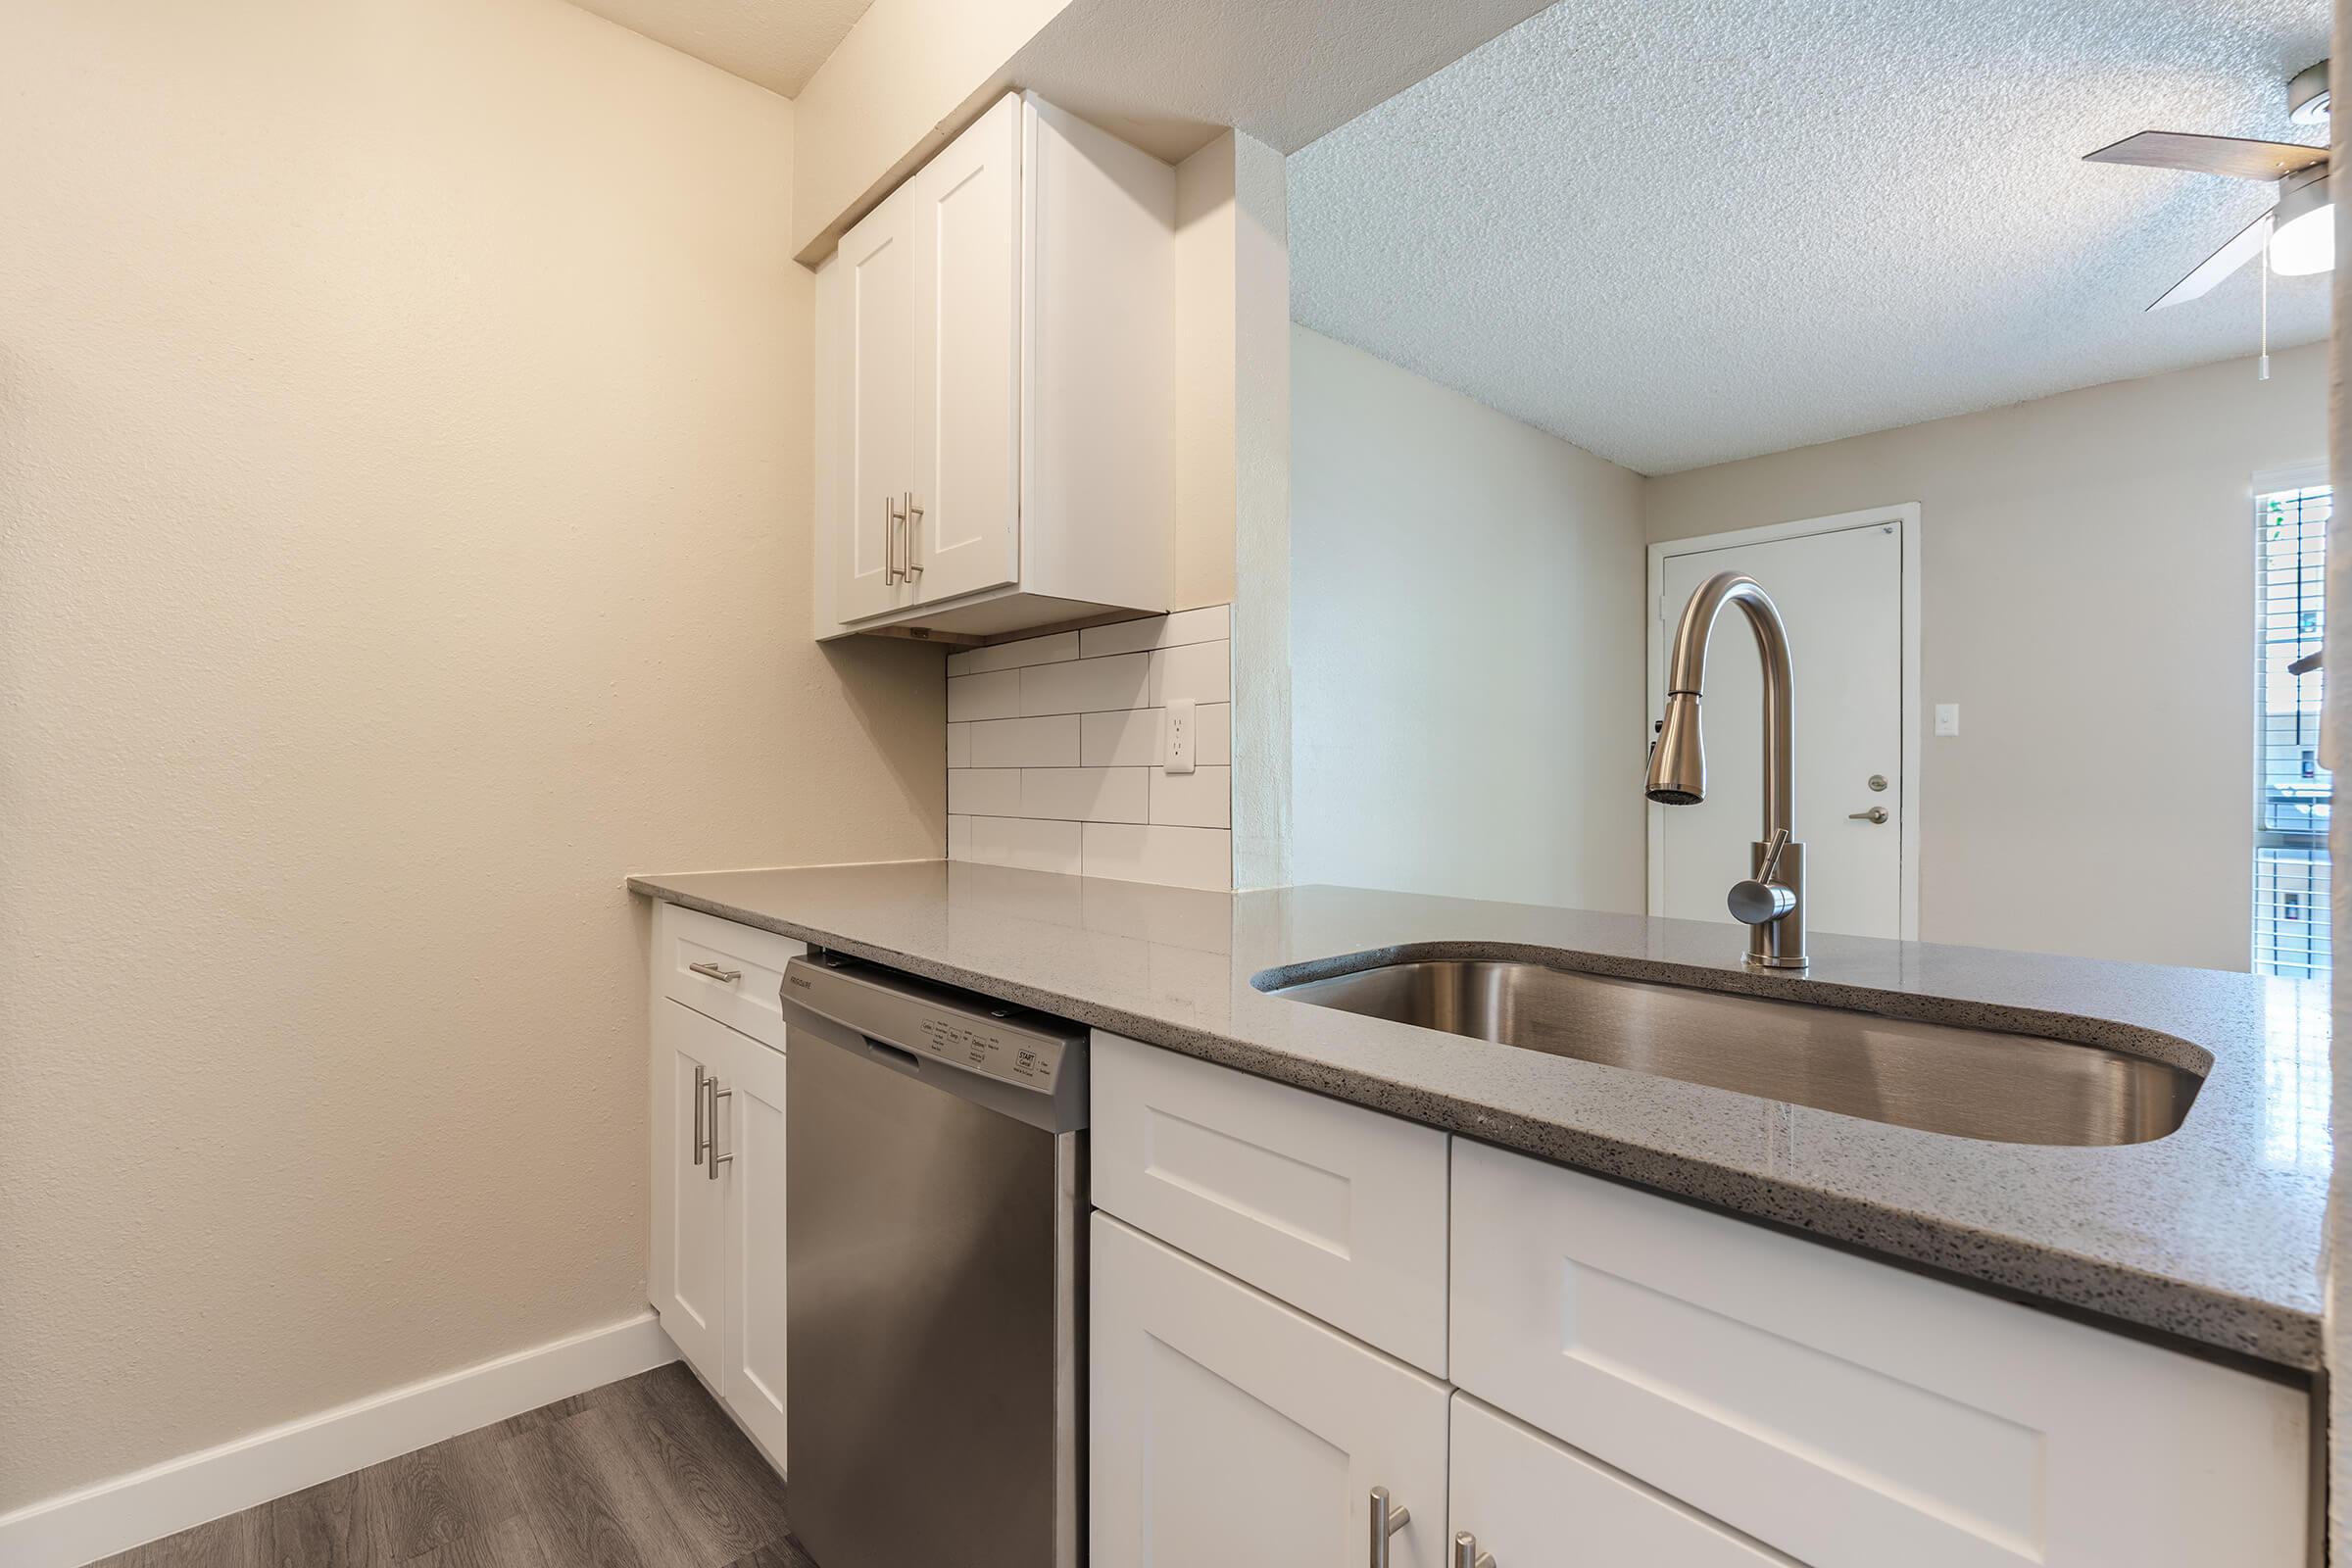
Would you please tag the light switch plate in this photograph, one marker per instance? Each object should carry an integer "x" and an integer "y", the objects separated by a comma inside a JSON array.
[
  {"x": 1948, "y": 718},
  {"x": 1181, "y": 733}
]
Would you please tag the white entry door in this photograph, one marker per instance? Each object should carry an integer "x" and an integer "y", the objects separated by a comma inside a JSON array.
[{"x": 1840, "y": 592}]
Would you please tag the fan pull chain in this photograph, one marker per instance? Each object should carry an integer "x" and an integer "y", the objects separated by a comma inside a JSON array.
[{"x": 2262, "y": 365}]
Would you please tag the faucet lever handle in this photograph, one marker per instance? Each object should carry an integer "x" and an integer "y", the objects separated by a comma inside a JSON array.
[{"x": 1772, "y": 854}]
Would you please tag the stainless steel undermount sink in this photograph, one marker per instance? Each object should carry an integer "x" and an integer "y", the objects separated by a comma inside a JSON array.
[{"x": 1941, "y": 1078}]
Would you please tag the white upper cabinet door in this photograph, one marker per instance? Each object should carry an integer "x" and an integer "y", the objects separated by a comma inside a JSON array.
[
  {"x": 1229, "y": 1429},
  {"x": 753, "y": 1136},
  {"x": 965, "y": 208},
  {"x": 876, "y": 385},
  {"x": 689, "y": 1286},
  {"x": 1538, "y": 1503}
]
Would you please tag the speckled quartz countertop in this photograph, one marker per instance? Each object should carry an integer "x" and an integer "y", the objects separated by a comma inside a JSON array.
[{"x": 2209, "y": 1234}]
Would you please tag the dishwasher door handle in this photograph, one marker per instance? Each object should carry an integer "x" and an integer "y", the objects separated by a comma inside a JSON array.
[{"x": 888, "y": 1056}]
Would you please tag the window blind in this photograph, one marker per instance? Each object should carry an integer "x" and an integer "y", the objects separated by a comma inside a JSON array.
[{"x": 2292, "y": 792}]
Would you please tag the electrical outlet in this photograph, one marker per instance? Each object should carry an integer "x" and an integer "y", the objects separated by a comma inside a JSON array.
[{"x": 1179, "y": 731}]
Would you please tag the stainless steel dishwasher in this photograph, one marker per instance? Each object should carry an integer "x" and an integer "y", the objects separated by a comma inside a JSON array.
[{"x": 935, "y": 1279}]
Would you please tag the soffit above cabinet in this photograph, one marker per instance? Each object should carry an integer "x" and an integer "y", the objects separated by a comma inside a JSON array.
[{"x": 776, "y": 43}]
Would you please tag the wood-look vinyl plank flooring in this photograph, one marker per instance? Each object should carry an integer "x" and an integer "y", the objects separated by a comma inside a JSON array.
[{"x": 644, "y": 1473}]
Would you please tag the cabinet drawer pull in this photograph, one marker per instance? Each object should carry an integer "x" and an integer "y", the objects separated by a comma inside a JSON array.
[
  {"x": 1466, "y": 1553},
  {"x": 716, "y": 1159},
  {"x": 890, "y": 540},
  {"x": 914, "y": 537},
  {"x": 697, "y": 1114},
  {"x": 1386, "y": 1521},
  {"x": 711, "y": 971}
]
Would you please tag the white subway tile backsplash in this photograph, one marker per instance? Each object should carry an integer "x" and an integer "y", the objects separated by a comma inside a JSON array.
[
  {"x": 1086, "y": 685},
  {"x": 1201, "y": 671},
  {"x": 1181, "y": 857},
  {"x": 1213, "y": 730},
  {"x": 1055, "y": 746},
  {"x": 1211, "y": 625},
  {"x": 996, "y": 694},
  {"x": 1139, "y": 738},
  {"x": 1050, "y": 742},
  {"x": 984, "y": 790},
  {"x": 1087, "y": 794},
  {"x": 1012, "y": 656},
  {"x": 1120, "y": 740},
  {"x": 1026, "y": 844},
  {"x": 1203, "y": 797}
]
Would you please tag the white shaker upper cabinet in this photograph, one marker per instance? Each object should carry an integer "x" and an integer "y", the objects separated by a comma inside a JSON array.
[
  {"x": 963, "y": 527},
  {"x": 994, "y": 414},
  {"x": 876, "y": 413}
]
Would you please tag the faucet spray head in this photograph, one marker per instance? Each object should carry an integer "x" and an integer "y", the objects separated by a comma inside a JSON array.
[{"x": 1678, "y": 759}]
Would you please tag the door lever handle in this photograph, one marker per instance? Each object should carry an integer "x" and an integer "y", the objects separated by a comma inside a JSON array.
[{"x": 1876, "y": 813}]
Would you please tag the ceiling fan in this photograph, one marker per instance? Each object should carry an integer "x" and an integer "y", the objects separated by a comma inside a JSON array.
[{"x": 2299, "y": 231}]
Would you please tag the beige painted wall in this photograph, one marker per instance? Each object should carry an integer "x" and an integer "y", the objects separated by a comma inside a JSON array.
[
  {"x": 1202, "y": 539},
  {"x": 2088, "y": 591},
  {"x": 1466, "y": 639},
  {"x": 404, "y": 528}
]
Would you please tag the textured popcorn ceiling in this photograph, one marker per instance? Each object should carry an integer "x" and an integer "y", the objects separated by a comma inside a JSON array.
[
  {"x": 776, "y": 43},
  {"x": 1680, "y": 233}
]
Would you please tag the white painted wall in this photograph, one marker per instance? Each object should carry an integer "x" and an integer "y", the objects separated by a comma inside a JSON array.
[
  {"x": 1466, "y": 645},
  {"x": 1261, "y": 517},
  {"x": 2088, "y": 601},
  {"x": 404, "y": 534},
  {"x": 2336, "y": 733}
]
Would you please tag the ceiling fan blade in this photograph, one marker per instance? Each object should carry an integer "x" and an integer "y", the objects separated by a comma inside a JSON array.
[
  {"x": 2234, "y": 156},
  {"x": 2243, "y": 247}
]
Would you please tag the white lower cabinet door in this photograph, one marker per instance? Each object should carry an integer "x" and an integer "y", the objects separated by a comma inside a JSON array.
[
  {"x": 1852, "y": 1414},
  {"x": 1532, "y": 1501},
  {"x": 689, "y": 1240},
  {"x": 753, "y": 1319},
  {"x": 1228, "y": 1429}
]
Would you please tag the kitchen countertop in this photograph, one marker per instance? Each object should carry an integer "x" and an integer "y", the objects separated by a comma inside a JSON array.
[{"x": 2209, "y": 1234}]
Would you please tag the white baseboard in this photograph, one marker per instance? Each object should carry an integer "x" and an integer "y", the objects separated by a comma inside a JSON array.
[{"x": 130, "y": 1510}]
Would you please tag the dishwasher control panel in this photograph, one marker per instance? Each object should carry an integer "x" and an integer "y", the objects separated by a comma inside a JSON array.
[
  {"x": 923, "y": 1018},
  {"x": 984, "y": 1045}
]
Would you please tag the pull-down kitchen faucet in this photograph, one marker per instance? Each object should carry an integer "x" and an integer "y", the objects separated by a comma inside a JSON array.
[{"x": 1771, "y": 903}]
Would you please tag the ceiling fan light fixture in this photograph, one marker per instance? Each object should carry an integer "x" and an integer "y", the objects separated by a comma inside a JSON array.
[
  {"x": 2303, "y": 228},
  {"x": 2307, "y": 95}
]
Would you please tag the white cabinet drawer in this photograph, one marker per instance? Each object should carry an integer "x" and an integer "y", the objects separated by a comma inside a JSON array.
[
  {"x": 1848, "y": 1412},
  {"x": 1537, "y": 1503},
  {"x": 1229, "y": 1431},
  {"x": 1339, "y": 1210},
  {"x": 750, "y": 1001}
]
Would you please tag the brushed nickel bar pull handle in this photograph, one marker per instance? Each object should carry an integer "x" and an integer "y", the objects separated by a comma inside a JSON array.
[
  {"x": 698, "y": 1115},
  {"x": 914, "y": 537},
  {"x": 716, "y": 1158},
  {"x": 1386, "y": 1521},
  {"x": 711, "y": 971},
  {"x": 1466, "y": 1553},
  {"x": 892, "y": 516}
]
